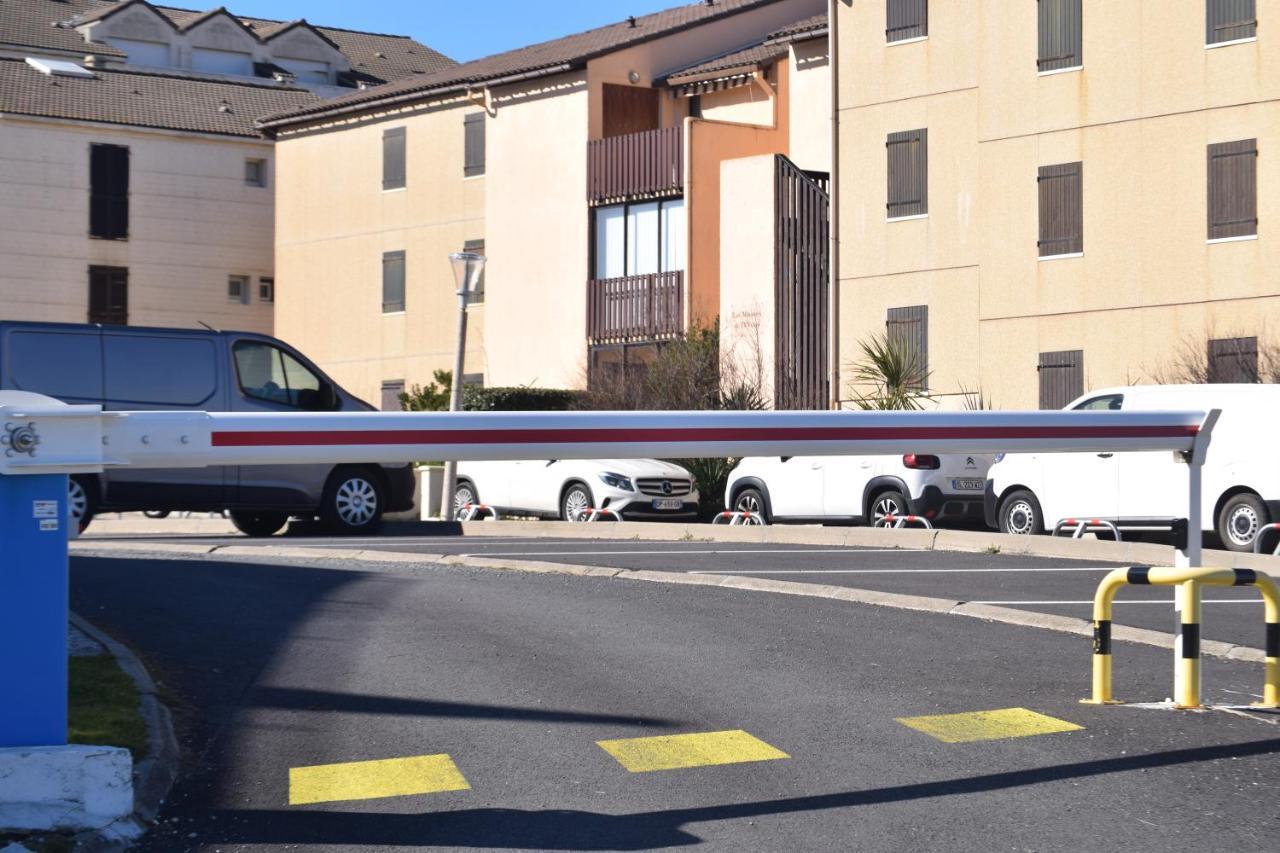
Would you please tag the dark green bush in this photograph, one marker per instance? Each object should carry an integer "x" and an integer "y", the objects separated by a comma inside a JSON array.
[{"x": 478, "y": 399}]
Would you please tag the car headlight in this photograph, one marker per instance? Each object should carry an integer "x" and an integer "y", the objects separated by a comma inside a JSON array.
[
  {"x": 617, "y": 481},
  {"x": 999, "y": 457}
]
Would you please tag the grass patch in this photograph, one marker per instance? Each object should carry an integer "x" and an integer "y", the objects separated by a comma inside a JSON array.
[{"x": 103, "y": 706}]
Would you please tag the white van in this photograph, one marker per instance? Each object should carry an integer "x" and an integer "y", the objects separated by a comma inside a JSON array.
[{"x": 1030, "y": 492}]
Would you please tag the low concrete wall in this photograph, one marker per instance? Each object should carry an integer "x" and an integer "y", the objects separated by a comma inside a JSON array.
[{"x": 64, "y": 787}]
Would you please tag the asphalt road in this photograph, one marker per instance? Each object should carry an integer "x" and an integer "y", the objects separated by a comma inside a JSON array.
[
  {"x": 516, "y": 678},
  {"x": 1044, "y": 585}
]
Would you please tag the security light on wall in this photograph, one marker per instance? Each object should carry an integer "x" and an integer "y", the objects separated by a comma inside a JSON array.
[{"x": 633, "y": 76}]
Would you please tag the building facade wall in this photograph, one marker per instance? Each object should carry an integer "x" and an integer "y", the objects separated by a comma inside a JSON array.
[
  {"x": 334, "y": 224},
  {"x": 1139, "y": 115},
  {"x": 193, "y": 222},
  {"x": 809, "y": 81}
]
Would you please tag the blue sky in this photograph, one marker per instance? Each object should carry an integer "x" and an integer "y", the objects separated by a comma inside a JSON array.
[{"x": 463, "y": 30}]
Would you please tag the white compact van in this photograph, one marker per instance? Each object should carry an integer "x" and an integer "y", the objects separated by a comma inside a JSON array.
[{"x": 1030, "y": 492}]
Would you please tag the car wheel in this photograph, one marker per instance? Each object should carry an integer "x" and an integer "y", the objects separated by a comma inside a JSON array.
[
  {"x": 887, "y": 503},
  {"x": 575, "y": 503},
  {"x": 156, "y": 513},
  {"x": 82, "y": 501},
  {"x": 1020, "y": 515},
  {"x": 258, "y": 524},
  {"x": 1241, "y": 519},
  {"x": 752, "y": 501},
  {"x": 352, "y": 502},
  {"x": 464, "y": 494}
]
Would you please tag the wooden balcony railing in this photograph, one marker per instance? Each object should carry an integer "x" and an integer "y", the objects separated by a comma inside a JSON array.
[
  {"x": 635, "y": 308},
  {"x": 646, "y": 163}
]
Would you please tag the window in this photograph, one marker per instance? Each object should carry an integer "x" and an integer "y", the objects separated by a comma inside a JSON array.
[
  {"x": 908, "y": 153},
  {"x": 906, "y": 19},
  {"x": 1233, "y": 360},
  {"x": 640, "y": 239},
  {"x": 393, "y": 176},
  {"x": 109, "y": 192},
  {"x": 908, "y": 329},
  {"x": 1229, "y": 20},
  {"x": 1105, "y": 403},
  {"x": 1060, "y": 35},
  {"x": 1061, "y": 378},
  {"x": 109, "y": 295},
  {"x": 474, "y": 126},
  {"x": 255, "y": 172},
  {"x": 392, "y": 282},
  {"x": 271, "y": 374},
  {"x": 1233, "y": 189},
  {"x": 391, "y": 391},
  {"x": 477, "y": 247},
  {"x": 1061, "y": 210},
  {"x": 266, "y": 290},
  {"x": 238, "y": 288}
]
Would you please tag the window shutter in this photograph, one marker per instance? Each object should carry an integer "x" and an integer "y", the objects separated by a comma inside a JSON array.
[
  {"x": 1060, "y": 34},
  {"x": 1233, "y": 189},
  {"x": 474, "y": 163},
  {"x": 391, "y": 391},
  {"x": 909, "y": 329},
  {"x": 1229, "y": 20},
  {"x": 1061, "y": 378},
  {"x": 906, "y": 19},
  {"x": 1061, "y": 209},
  {"x": 1233, "y": 360},
  {"x": 908, "y": 156},
  {"x": 392, "y": 282},
  {"x": 109, "y": 295},
  {"x": 109, "y": 191},
  {"x": 393, "y": 177}
]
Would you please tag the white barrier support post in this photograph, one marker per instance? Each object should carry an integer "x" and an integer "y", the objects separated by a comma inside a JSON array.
[{"x": 1191, "y": 553}]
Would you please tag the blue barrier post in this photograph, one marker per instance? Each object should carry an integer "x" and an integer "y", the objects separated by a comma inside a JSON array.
[{"x": 33, "y": 610}]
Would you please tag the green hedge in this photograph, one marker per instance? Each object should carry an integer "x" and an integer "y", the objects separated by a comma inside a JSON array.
[{"x": 478, "y": 399}]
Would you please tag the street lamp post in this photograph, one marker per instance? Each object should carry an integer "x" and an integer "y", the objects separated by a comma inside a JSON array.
[{"x": 467, "y": 268}]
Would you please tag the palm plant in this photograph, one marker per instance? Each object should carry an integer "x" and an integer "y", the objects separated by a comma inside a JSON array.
[{"x": 895, "y": 374}]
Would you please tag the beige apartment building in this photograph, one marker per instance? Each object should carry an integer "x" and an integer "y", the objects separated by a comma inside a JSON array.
[
  {"x": 590, "y": 171},
  {"x": 134, "y": 186},
  {"x": 1050, "y": 197}
]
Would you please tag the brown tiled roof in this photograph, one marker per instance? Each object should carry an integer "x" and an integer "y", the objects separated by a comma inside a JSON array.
[
  {"x": 374, "y": 58},
  {"x": 144, "y": 100},
  {"x": 568, "y": 52},
  {"x": 794, "y": 32},
  {"x": 748, "y": 59}
]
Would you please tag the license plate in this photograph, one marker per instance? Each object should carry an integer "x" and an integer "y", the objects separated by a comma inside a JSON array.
[
  {"x": 668, "y": 503},
  {"x": 968, "y": 485}
]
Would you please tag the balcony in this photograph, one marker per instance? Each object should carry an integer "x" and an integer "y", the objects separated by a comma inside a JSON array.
[
  {"x": 649, "y": 163},
  {"x": 635, "y": 308}
]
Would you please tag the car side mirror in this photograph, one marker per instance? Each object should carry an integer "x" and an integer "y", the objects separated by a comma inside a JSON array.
[{"x": 329, "y": 400}]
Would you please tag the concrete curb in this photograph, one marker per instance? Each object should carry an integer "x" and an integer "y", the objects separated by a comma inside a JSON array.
[
  {"x": 155, "y": 774},
  {"x": 899, "y": 601}
]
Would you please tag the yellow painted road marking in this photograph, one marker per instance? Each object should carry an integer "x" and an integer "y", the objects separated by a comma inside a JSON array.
[
  {"x": 368, "y": 780},
  {"x": 988, "y": 725},
  {"x": 672, "y": 752}
]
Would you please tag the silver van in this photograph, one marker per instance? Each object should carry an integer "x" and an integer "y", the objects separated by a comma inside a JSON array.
[{"x": 126, "y": 368}]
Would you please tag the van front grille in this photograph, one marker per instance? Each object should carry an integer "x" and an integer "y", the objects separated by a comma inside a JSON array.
[{"x": 677, "y": 488}]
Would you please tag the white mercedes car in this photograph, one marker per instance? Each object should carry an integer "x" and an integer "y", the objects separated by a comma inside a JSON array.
[{"x": 565, "y": 489}]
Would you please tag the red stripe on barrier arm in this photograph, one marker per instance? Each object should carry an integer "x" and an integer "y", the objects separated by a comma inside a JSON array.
[{"x": 356, "y": 438}]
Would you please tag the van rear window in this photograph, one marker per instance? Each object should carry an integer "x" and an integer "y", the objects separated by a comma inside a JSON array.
[
  {"x": 64, "y": 365},
  {"x": 155, "y": 370}
]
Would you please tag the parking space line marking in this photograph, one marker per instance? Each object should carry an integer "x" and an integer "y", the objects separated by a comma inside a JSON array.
[
  {"x": 672, "y": 552},
  {"x": 1165, "y": 601},
  {"x": 895, "y": 571},
  {"x": 369, "y": 780},
  {"x": 988, "y": 725},
  {"x": 675, "y": 752}
]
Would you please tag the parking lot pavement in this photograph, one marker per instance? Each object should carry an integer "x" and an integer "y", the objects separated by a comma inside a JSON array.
[
  {"x": 339, "y": 706},
  {"x": 1036, "y": 584}
]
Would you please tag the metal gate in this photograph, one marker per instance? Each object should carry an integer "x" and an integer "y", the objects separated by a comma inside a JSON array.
[{"x": 802, "y": 223}]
